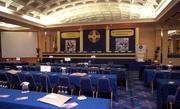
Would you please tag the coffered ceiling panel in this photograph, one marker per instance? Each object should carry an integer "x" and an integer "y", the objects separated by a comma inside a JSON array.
[{"x": 50, "y": 12}]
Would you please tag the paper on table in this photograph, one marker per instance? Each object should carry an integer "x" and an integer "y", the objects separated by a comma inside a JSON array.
[
  {"x": 78, "y": 74},
  {"x": 55, "y": 99},
  {"x": 12, "y": 71},
  {"x": 171, "y": 82},
  {"x": 70, "y": 105},
  {"x": 22, "y": 98},
  {"x": 82, "y": 97},
  {"x": 4, "y": 96}
]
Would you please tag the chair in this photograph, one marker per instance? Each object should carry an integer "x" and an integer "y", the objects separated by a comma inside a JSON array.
[
  {"x": 53, "y": 79},
  {"x": 13, "y": 80},
  {"x": 64, "y": 83},
  {"x": 86, "y": 86},
  {"x": 157, "y": 75},
  {"x": 45, "y": 82},
  {"x": 172, "y": 99},
  {"x": 104, "y": 86},
  {"x": 175, "y": 75},
  {"x": 21, "y": 77},
  {"x": 37, "y": 80},
  {"x": 29, "y": 78}
]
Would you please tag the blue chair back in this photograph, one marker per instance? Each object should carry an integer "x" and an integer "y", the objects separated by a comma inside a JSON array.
[
  {"x": 44, "y": 79},
  {"x": 12, "y": 78},
  {"x": 30, "y": 79},
  {"x": 37, "y": 78},
  {"x": 175, "y": 75},
  {"x": 53, "y": 79},
  {"x": 21, "y": 77},
  {"x": 158, "y": 76},
  {"x": 104, "y": 85},
  {"x": 85, "y": 84},
  {"x": 177, "y": 96},
  {"x": 64, "y": 81}
]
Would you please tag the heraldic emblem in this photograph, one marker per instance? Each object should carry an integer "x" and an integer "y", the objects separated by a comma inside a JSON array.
[{"x": 94, "y": 36}]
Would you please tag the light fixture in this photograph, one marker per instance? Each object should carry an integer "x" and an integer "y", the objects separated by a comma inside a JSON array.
[
  {"x": 8, "y": 25},
  {"x": 5, "y": 10}
]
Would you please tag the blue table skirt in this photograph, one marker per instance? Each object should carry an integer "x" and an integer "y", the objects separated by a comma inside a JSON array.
[
  {"x": 149, "y": 74},
  {"x": 32, "y": 103},
  {"x": 164, "y": 88}
]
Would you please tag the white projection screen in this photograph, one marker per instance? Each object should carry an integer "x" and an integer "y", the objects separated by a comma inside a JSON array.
[{"x": 18, "y": 44}]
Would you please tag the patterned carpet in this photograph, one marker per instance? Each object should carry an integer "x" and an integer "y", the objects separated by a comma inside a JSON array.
[{"x": 137, "y": 96}]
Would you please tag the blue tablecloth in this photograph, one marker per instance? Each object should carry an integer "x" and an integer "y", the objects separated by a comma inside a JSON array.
[
  {"x": 164, "y": 88},
  {"x": 32, "y": 103},
  {"x": 149, "y": 74}
]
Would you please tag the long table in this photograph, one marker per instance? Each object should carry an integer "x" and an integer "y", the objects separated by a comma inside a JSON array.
[
  {"x": 11, "y": 102},
  {"x": 165, "y": 87},
  {"x": 149, "y": 74}
]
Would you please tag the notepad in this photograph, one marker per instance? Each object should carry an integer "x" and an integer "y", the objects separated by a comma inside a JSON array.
[
  {"x": 55, "y": 99},
  {"x": 78, "y": 74}
]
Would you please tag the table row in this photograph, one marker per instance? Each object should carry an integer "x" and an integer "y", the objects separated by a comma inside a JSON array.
[{"x": 15, "y": 99}]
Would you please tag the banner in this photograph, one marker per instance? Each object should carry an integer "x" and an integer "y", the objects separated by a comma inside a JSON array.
[
  {"x": 122, "y": 44},
  {"x": 70, "y": 45},
  {"x": 66, "y": 35},
  {"x": 119, "y": 33},
  {"x": 94, "y": 40},
  {"x": 140, "y": 53}
]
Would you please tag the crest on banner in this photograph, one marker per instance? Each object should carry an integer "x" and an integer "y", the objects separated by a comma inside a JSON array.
[{"x": 94, "y": 36}]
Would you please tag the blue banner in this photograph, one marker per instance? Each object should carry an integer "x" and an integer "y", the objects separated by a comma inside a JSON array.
[{"x": 94, "y": 40}]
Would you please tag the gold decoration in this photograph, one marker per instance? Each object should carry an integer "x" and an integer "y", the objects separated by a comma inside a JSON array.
[{"x": 94, "y": 36}]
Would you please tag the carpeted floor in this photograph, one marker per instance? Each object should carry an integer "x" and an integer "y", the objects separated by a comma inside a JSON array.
[{"x": 137, "y": 96}]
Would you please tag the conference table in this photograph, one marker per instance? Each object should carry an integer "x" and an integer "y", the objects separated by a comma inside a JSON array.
[
  {"x": 165, "y": 87},
  {"x": 15, "y": 99},
  {"x": 53, "y": 79},
  {"x": 149, "y": 74}
]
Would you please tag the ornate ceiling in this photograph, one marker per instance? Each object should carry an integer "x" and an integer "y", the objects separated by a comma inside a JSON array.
[{"x": 50, "y": 12}]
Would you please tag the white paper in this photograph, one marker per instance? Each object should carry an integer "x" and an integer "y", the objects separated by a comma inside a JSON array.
[
  {"x": 70, "y": 105},
  {"x": 22, "y": 98},
  {"x": 25, "y": 83},
  {"x": 82, "y": 97},
  {"x": 171, "y": 82},
  {"x": 4, "y": 96},
  {"x": 55, "y": 99},
  {"x": 45, "y": 68},
  {"x": 12, "y": 71},
  {"x": 78, "y": 74}
]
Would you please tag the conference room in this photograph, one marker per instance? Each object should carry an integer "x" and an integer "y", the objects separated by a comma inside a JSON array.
[{"x": 90, "y": 54}]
